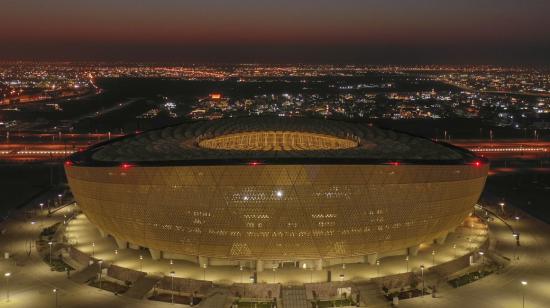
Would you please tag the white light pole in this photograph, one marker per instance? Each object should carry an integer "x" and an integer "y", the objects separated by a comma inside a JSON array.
[
  {"x": 7, "y": 276},
  {"x": 422, "y": 270},
  {"x": 55, "y": 293},
  {"x": 50, "y": 243},
  {"x": 524, "y": 284},
  {"x": 241, "y": 269},
  {"x": 140, "y": 263},
  {"x": 172, "y": 273},
  {"x": 100, "y": 262},
  {"x": 204, "y": 271}
]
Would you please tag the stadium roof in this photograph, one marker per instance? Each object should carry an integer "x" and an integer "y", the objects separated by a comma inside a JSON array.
[{"x": 271, "y": 140}]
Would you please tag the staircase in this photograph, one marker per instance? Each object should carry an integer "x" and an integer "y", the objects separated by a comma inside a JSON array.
[
  {"x": 142, "y": 286},
  {"x": 295, "y": 297},
  {"x": 371, "y": 295}
]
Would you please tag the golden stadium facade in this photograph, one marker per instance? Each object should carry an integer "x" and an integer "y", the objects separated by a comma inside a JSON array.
[{"x": 275, "y": 189}]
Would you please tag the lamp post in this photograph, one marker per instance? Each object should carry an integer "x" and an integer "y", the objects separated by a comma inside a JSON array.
[
  {"x": 140, "y": 263},
  {"x": 274, "y": 273},
  {"x": 55, "y": 293},
  {"x": 501, "y": 207},
  {"x": 454, "y": 249},
  {"x": 407, "y": 261},
  {"x": 99, "y": 262},
  {"x": 433, "y": 257},
  {"x": 378, "y": 267},
  {"x": 241, "y": 269},
  {"x": 93, "y": 249},
  {"x": 172, "y": 273},
  {"x": 204, "y": 271},
  {"x": 524, "y": 284},
  {"x": 481, "y": 253},
  {"x": 50, "y": 244},
  {"x": 422, "y": 271},
  {"x": 116, "y": 254},
  {"x": 7, "y": 276}
]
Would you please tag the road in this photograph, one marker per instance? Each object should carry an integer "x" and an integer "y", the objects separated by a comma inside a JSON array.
[{"x": 47, "y": 146}]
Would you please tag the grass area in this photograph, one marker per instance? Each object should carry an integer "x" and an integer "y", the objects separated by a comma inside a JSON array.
[
  {"x": 110, "y": 286},
  {"x": 50, "y": 231},
  {"x": 334, "y": 303},
  {"x": 57, "y": 264},
  {"x": 178, "y": 299},
  {"x": 406, "y": 294},
  {"x": 255, "y": 304},
  {"x": 469, "y": 278}
]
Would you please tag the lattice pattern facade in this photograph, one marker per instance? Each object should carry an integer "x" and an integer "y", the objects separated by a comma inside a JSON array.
[
  {"x": 277, "y": 141},
  {"x": 277, "y": 212}
]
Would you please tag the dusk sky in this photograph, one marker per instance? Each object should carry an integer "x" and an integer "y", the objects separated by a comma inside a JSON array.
[{"x": 344, "y": 31}]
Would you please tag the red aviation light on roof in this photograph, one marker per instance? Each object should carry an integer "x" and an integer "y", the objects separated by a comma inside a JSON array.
[
  {"x": 477, "y": 163},
  {"x": 254, "y": 163},
  {"x": 68, "y": 163},
  {"x": 126, "y": 166}
]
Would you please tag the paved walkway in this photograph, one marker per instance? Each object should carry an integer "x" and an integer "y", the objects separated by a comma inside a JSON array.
[
  {"x": 31, "y": 281},
  {"x": 505, "y": 289},
  {"x": 86, "y": 238}
]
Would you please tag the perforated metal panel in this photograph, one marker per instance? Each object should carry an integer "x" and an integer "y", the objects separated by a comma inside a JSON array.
[{"x": 277, "y": 212}]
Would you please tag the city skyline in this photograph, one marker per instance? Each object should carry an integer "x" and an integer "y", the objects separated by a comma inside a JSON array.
[{"x": 492, "y": 32}]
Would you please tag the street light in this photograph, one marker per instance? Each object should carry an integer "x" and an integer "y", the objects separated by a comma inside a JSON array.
[
  {"x": 481, "y": 253},
  {"x": 422, "y": 270},
  {"x": 172, "y": 273},
  {"x": 50, "y": 243},
  {"x": 93, "y": 249},
  {"x": 100, "y": 262},
  {"x": 241, "y": 269},
  {"x": 454, "y": 249},
  {"x": 378, "y": 267},
  {"x": 55, "y": 292},
  {"x": 433, "y": 257},
  {"x": 116, "y": 254},
  {"x": 524, "y": 284},
  {"x": 407, "y": 261},
  {"x": 141, "y": 263},
  {"x": 204, "y": 271},
  {"x": 7, "y": 275}
]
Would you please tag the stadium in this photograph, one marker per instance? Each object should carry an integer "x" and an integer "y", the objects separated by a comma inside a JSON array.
[{"x": 257, "y": 190}]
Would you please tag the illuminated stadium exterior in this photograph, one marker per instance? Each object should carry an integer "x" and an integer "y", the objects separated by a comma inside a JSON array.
[{"x": 275, "y": 189}]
